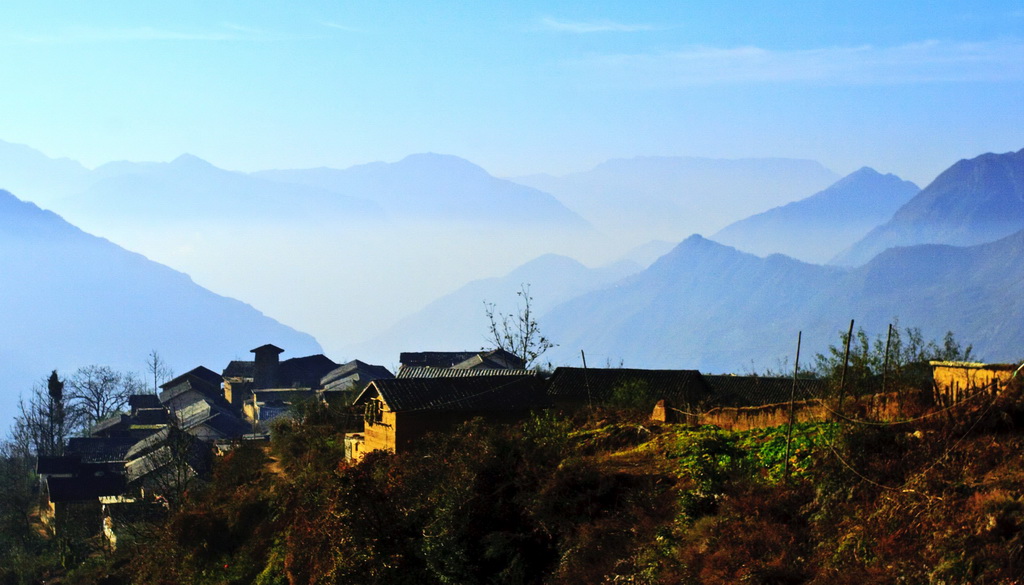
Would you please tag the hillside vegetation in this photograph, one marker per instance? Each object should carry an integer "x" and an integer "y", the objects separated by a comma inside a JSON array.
[{"x": 607, "y": 497}]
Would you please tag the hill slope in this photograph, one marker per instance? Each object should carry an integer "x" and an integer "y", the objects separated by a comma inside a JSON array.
[
  {"x": 819, "y": 227},
  {"x": 972, "y": 202},
  {"x": 457, "y": 321},
  {"x": 672, "y": 197},
  {"x": 711, "y": 307},
  {"x": 71, "y": 299},
  {"x": 437, "y": 187}
]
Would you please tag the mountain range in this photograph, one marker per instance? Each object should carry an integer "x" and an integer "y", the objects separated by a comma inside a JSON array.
[
  {"x": 436, "y": 187},
  {"x": 972, "y": 202},
  {"x": 71, "y": 299},
  {"x": 712, "y": 307},
  {"x": 817, "y": 228},
  {"x": 375, "y": 259},
  {"x": 669, "y": 198},
  {"x": 457, "y": 321}
]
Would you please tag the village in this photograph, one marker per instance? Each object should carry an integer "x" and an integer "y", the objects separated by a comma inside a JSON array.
[{"x": 138, "y": 463}]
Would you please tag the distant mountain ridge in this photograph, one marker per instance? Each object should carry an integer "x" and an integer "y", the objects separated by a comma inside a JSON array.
[
  {"x": 817, "y": 228},
  {"x": 457, "y": 321},
  {"x": 670, "y": 198},
  {"x": 71, "y": 299},
  {"x": 711, "y": 307},
  {"x": 437, "y": 187},
  {"x": 972, "y": 202}
]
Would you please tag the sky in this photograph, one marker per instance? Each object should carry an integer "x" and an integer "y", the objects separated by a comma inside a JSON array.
[{"x": 520, "y": 87}]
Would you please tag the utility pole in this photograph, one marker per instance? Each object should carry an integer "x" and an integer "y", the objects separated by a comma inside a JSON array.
[
  {"x": 792, "y": 406},
  {"x": 846, "y": 362},
  {"x": 586, "y": 380}
]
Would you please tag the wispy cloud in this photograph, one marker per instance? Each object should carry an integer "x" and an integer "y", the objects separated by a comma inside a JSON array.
[
  {"x": 928, "y": 61},
  {"x": 594, "y": 26},
  {"x": 341, "y": 27},
  {"x": 78, "y": 35}
]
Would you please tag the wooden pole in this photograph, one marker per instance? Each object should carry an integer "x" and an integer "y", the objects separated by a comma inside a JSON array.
[
  {"x": 885, "y": 360},
  {"x": 846, "y": 362},
  {"x": 586, "y": 380},
  {"x": 792, "y": 406}
]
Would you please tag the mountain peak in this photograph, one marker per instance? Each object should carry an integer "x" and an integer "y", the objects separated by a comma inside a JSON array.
[
  {"x": 191, "y": 161},
  {"x": 432, "y": 161},
  {"x": 974, "y": 201}
]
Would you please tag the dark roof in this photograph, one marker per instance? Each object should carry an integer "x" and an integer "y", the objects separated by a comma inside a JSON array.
[
  {"x": 481, "y": 393},
  {"x": 150, "y": 416},
  {"x": 240, "y": 369},
  {"x": 433, "y": 359},
  {"x": 58, "y": 465},
  {"x": 362, "y": 372},
  {"x": 159, "y": 454},
  {"x": 191, "y": 384},
  {"x": 761, "y": 390},
  {"x": 495, "y": 359},
  {"x": 228, "y": 425},
  {"x": 109, "y": 424},
  {"x": 100, "y": 448},
  {"x": 421, "y": 372},
  {"x": 215, "y": 417},
  {"x": 137, "y": 401},
  {"x": 676, "y": 386},
  {"x": 267, "y": 348},
  {"x": 84, "y": 488},
  {"x": 205, "y": 374},
  {"x": 304, "y": 372}
]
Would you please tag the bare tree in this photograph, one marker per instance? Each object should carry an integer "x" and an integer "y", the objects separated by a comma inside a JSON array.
[
  {"x": 42, "y": 423},
  {"x": 159, "y": 369},
  {"x": 518, "y": 332},
  {"x": 97, "y": 392}
]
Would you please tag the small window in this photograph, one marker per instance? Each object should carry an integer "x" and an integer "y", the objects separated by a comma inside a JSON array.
[{"x": 373, "y": 412}]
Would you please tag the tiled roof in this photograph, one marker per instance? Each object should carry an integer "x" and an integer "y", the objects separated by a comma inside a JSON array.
[
  {"x": 761, "y": 390},
  {"x": 598, "y": 384},
  {"x": 434, "y": 359},
  {"x": 191, "y": 384},
  {"x": 362, "y": 372},
  {"x": 217, "y": 418},
  {"x": 205, "y": 374},
  {"x": 494, "y": 359},
  {"x": 100, "y": 448},
  {"x": 108, "y": 424},
  {"x": 149, "y": 416},
  {"x": 137, "y": 401},
  {"x": 240, "y": 369},
  {"x": 479, "y": 393},
  {"x": 423, "y": 372},
  {"x": 56, "y": 465},
  {"x": 80, "y": 489},
  {"x": 304, "y": 372}
]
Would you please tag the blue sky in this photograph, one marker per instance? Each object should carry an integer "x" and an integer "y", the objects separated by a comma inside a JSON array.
[{"x": 518, "y": 87}]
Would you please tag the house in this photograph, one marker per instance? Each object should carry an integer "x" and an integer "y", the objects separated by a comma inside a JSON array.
[
  {"x": 167, "y": 463},
  {"x": 400, "y": 411},
  {"x": 955, "y": 381},
  {"x": 762, "y": 390},
  {"x": 200, "y": 383},
  {"x": 428, "y": 372},
  {"x": 100, "y": 449},
  {"x": 294, "y": 379},
  {"x": 682, "y": 389},
  {"x": 145, "y": 416},
  {"x": 492, "y": 359},
  {"x": 210, "y": 422},
  {"x": 72, "y": 489},
  {"x": 354, "y": 374}
]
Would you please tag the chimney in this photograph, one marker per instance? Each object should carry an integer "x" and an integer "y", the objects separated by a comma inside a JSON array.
[{"x": 265, "y": 374}]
